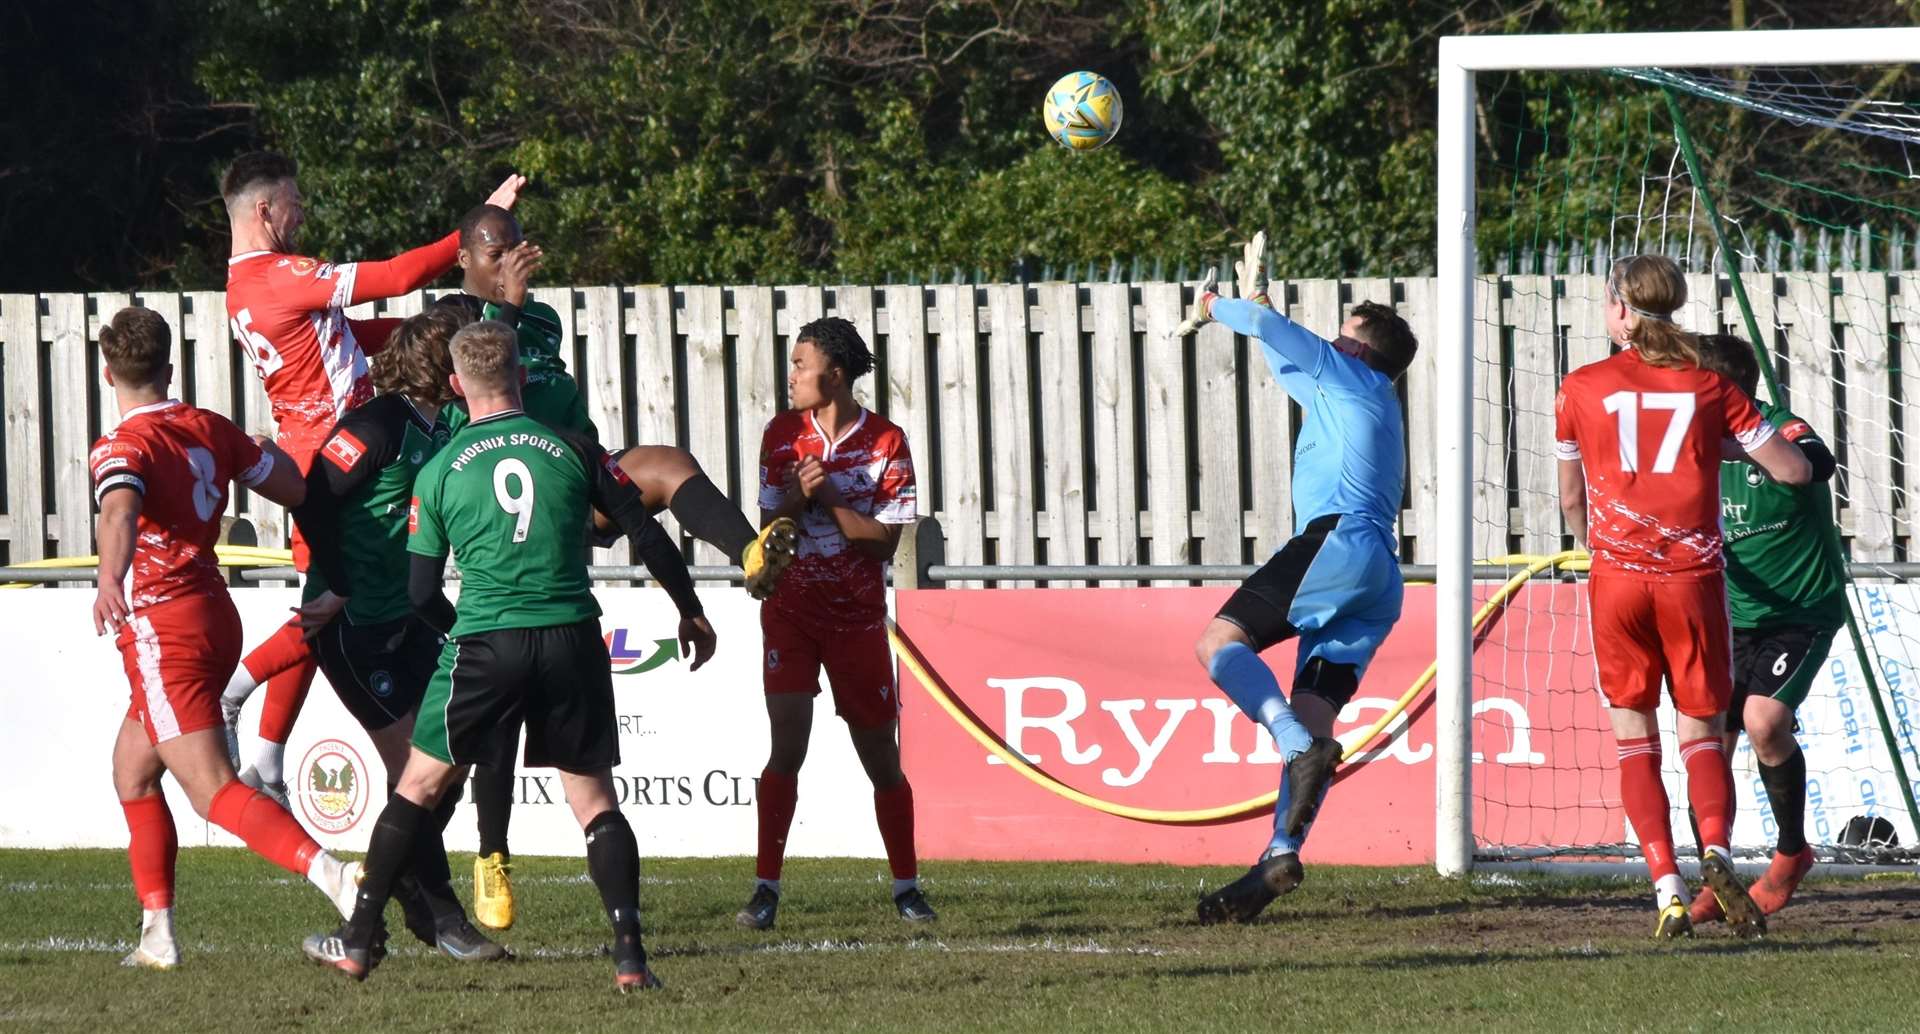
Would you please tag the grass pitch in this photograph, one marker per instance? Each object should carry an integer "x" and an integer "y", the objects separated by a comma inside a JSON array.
[{"x": 1026, "y": 947}]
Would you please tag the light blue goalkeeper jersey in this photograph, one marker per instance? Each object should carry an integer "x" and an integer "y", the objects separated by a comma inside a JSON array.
[{"x": 1352, "y": 456}]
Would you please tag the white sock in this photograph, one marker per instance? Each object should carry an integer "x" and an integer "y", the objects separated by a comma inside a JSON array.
[
  {"x": 1725, "y": 855},
  {"x": 156, "y": 926},
  {"x": 268, "y": 760},
  {"x": 1666, "y": 888},
  {"x": 239, "y": 687},
  {"x": 902, "y": 886},
  {"x": 772, "y": 885}
]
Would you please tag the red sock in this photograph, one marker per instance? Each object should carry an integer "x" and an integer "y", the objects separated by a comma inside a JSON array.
[
  {"x": 777, "y": 796},
  {"x": 286, "y": 692},
  {"x": 1645, "y": 798},
  {"x": 268, "y": 831},
  {"x": 152, "y": 850},
  {"x": 286, "y": 647},
  {"x": 894, "y": 808},
  {"x": 1709, "y": 788}
]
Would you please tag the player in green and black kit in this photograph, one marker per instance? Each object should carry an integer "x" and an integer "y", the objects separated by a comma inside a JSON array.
[
  {"x": 497, "y": 264},
  {"x": 375, "y": 653},
  {"x": 510, "y": 498},
  {"x": 1786, "y": 595}
]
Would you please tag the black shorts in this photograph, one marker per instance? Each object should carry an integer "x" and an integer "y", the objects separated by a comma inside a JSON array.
[
  {"x": 1780, "y": 662},
  {"x": 1263, "y": 605},
  {"x": 378, "y": 671},
  {"x": 556, "y": 681}
]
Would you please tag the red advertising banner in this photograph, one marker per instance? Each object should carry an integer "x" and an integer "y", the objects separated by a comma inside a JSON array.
[{"x": 1100, "y": 688}]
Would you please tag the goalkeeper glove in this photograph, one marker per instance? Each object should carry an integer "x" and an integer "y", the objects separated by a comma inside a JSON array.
[
  {"x": 1250, "y": 272},
  {"x": 1201, "y": 313}
]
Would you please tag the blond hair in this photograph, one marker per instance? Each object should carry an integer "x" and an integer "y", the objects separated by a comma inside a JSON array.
[
  {"x": 1652, "y": 288},
  {"x": 485, "y": 355}
]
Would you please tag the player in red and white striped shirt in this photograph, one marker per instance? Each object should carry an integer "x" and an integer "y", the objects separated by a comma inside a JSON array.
[
  {"x": 161, "y": 482},
  {"x": 845, "y": 474},
  {"x": 1640, "y": 437},
  {"x": 287, "y": 315}
]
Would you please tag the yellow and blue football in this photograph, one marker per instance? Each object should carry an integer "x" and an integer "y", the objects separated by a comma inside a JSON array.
[{"x": 1082, "y": 110}]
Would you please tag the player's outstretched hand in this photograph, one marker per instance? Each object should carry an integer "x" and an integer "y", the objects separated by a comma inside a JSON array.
[
  {"x": 1250, "y": 273},
  {"x": 697, "y": 638},
  {"x": 516, "y": 271},
  {"x": 316, "y": 613},
  {"x": 1200, "y": 314},
  {"x": 507, "y": 192},
  {"x": 109, "y": 608}
]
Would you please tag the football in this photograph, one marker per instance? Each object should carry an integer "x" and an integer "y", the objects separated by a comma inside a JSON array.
[{"x": 1082, "y": 111}]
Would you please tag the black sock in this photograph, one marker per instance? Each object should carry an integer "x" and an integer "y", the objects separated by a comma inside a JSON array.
[
  {"x": 1786, "y": 785},
  {"x": 708, "y": 515},
  {"x": 425, "y": 889},
  {"x": 613, "y": 860},
  {"x": 389, "y": 853},
  {"x": 493, "y": 799}
]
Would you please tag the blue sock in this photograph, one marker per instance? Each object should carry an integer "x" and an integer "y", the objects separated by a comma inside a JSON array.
[
  {"x": 1245, "y": 678},
  {"x": 1281, "y": 842}
]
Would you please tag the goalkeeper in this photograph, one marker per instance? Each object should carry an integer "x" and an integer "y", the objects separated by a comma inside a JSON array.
[
  {"x": 1786, "y": 596},
  {"x": 1336, "y": 584}
]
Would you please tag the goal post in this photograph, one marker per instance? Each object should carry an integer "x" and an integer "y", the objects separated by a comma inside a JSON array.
[{"x": 1463, "y": 334}]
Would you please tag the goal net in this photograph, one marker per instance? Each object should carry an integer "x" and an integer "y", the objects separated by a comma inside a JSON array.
[{"x": 1804, "y": 185}]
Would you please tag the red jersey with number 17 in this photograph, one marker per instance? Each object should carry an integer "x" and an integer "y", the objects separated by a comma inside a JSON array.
[
  {"x": 179, "y": 459},
  {"x": 832, "y": 585},
  {"x": 1648, "y": 439}
]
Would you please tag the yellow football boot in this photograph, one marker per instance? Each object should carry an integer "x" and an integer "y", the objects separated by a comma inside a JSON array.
[
  {"x": 492, "y": 891},
  {"x": 767, "y": 557}
]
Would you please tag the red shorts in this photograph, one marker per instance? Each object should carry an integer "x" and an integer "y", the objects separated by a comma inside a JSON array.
[
  {"x": 859, "y": 666},
  {"x": 179, "y": 656},
  {"x": 1674, "y": 628}
]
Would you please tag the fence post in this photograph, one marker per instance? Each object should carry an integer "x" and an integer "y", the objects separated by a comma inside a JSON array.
[{"x": 921, "y": 547}]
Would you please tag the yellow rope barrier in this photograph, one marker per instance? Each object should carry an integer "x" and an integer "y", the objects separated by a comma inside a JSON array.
[
  {"x": 229, "y": 556},
  {"x": 909, "y": 655}
]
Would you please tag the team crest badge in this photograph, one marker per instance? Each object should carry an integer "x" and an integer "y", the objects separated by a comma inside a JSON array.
[{"x": 333, "y": 786}]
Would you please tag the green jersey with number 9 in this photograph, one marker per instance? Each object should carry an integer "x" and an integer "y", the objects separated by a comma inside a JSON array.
[{"x": 510, "y": 497}]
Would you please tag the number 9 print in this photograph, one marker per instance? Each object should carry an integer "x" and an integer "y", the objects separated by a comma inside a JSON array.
[{"x": 519, "y": 504}]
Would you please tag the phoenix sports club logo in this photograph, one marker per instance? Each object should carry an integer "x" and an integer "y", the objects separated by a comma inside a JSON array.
[
  {"x": 637, "y": 656},
  {"x": 333, "y": 786}
]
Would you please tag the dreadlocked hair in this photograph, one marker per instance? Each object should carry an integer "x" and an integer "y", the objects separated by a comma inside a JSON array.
[{"x": 840, "y": 342}]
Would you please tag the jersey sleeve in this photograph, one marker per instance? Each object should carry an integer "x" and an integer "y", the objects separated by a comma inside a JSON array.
[
  {"x": 614, "y": 494},
  {"x": 1744, "y": 422},
  {"x": 1566, "y": 436},
  {"x": 358, "y": 447},
  {"x": 1291, "y": 349},
  {"x": 118, "y": 460},
  {"x": 426, "y": 535},
  {"x": 894, "y": 493},
  {"x": 407, "y": 271},
  {"x": 772, "y": 490},
  {"x": 249, "y": 462}
]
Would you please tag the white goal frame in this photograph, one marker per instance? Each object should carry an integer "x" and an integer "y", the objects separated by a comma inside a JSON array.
[{"x": 1460, "y": 58}]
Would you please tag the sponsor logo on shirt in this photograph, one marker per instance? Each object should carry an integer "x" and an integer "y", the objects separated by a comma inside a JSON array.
[
  {"x": 300, "y": 266},
  {"x": 344, "y": 450}
]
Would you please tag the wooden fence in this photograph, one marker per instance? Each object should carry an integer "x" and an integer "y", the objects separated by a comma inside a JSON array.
[{"x": 1051, "y": 422}]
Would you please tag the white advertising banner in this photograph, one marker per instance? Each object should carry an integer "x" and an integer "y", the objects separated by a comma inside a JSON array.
[{"x": 692, "y": 744}]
